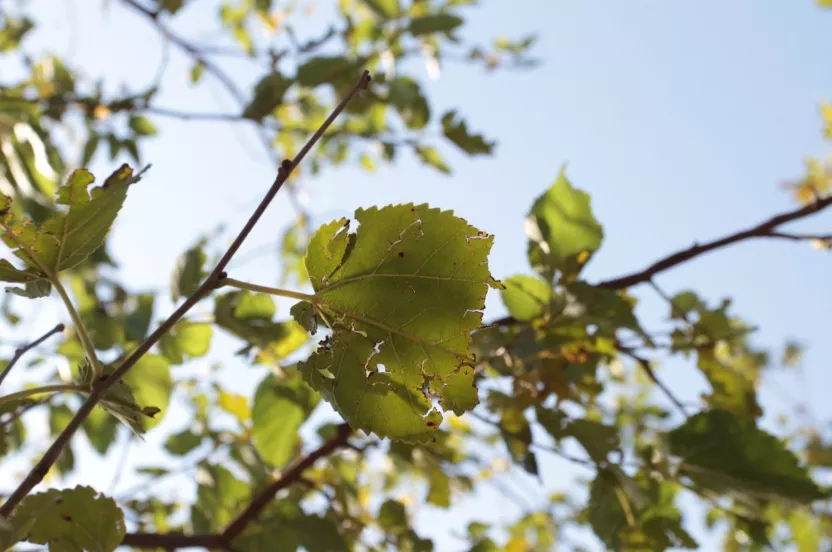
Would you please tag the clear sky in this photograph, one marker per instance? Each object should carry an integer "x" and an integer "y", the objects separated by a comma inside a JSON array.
[{"x": 681, "y": 119}]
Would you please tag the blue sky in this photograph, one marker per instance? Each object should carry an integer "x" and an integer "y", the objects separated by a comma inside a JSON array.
[{"x": 681, "y": 119}]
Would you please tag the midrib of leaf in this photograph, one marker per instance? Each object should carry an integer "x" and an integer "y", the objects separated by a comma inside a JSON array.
[
  {"x": 360, "y": 277},
  {"x": 390, "y": 330}
]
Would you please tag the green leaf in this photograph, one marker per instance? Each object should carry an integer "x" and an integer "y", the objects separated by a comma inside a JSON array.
[
  {"x": 604, "y": 308},
  {"x": 33, "y": 290},
  {"x": 71, "y": 520},
  {"x": 723, "y": 453},
  {"x": 285, "y": 527},
  {"x": 280, "y": 408},
  {"x": 67, "y": 238},
  {"x": 597, "y": 439},
  {"x": 439, "y": 488},
  {"x": 733, "y": 390},
  {"x": 402, "y": 295},
  {"x": 324, "y": 69},
  {"x": 430, "y": 156},
  {"x": 137, "y": 322},
  {"x": 304, "y": 314},
  {"x": 255, "y": 306},
  {"x": 90, "y": 148},
  {"x": 385, "y": 9},
  {"x": 436, "y": 23},
  {"x": 142, "y": 126},
  {"x": 188, "y": 273},
  {"x": 407, "y": 98},
  {"x": 456, "y": 131},
  {"x": 119, "y": 399},
  {"x": 219, "y": 498},
  {"x": 101, "y": 429},
  {"x": 186, "y": 340},
  {"x": 526, "y": 297},
  {"x": 563, "y": 233},
  {"x": 268, "y": 95},
  {"x": 183, "y": 442},
  {"x": 197, "y": 70},
  {"x": 152, "y": 386}
]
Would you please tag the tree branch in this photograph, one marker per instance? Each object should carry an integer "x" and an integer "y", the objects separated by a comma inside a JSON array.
[
  {"x": 294, "y": 474},
  {"x": 40, "y": 470},
  {"x": 20, "y": 351},
  {"x": 763, "y": 230},
  {"x": 645, "y": 365}
]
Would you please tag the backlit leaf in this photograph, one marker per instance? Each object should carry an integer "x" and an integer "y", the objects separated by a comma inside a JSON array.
[
  {"x": 268, "y": 95},
  {"x": 563, "y": 233},
  {"x": 280, "y": 407},
  {"x": 152, "y": 385},
  {"x": 71, "y": 520},
  {"x": 723, "y": 453},
  {"x": 186, "y": 340},
  {"x": 402, "y": 295},
  {"x": 526, "y": 297}
]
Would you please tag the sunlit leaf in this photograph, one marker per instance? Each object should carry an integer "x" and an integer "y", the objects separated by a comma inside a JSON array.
[
  {"x": 526, "y": 297},
  {"x": 280, "y": 407},
  {"x": 186, "y": 340},
  {"x": 402, "y": 294}
]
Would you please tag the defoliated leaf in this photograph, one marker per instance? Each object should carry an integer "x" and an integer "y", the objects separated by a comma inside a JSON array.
[
  {"x": 430, "y": 156},
  {"x": 280, "y": 407},
  {"x": 403, "y": 295},
  {"x": 436, "y": 23},
  {"x": 723, "y": 452},
  {"x": 71, "y": 520},
  {"x": 456, "y": 131},
  {"x": 188, "y": 273},
  {"x": 186, "y": 340},
  {"x": 324, "y": 69},
  {"x": 526, "y": 297},
  {"x": 407, "y": 98},
  {"x": 563, "y": 233},
  {"x": 268, "y": 95},
  {"x": 152, "y": 385}
]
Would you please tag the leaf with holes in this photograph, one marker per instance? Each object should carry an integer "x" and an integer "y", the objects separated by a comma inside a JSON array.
[
  {"x": 70, "y": 520},
  {"x": 402, "y": 296},
  {"x": 67, "y": 238}
]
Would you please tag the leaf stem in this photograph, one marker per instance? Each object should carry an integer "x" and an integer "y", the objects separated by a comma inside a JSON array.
[
  {"x": 231, "y": 282},
  {"x": 45, "y": 389},
  {"x": 86, "y": 343}
]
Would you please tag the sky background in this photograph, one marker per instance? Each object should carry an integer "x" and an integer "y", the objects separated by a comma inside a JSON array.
[{"x": 680, "y": 119}]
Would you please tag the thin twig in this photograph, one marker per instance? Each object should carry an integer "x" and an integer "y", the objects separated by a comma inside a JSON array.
[
  {"x": 223, "y": 540},
  {"x": 20, "y": 351},
  {"x": 40, "y": 470},
  {"x": 645, "y": 365},
  {"x": 763, "y": 230}
]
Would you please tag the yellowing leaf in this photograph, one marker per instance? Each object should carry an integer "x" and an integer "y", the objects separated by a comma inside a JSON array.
[
  {"x": 402, "y": 295},
  {"x": 235, "y": 404}
]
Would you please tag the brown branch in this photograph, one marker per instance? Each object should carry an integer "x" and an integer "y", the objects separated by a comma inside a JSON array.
[
  {"x": 20, "y": 351},
  {"x": 40, "y": 470},
  {"x": 645, "y": 365},
  {"x": 291, "y": 475},
  {"x": 763, "y": 230},
  {"x": 172, "y": 541}
]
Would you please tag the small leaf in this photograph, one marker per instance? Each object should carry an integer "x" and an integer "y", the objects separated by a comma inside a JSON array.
[
  {"x": 268, "y": 95},
  {"x": 526, "y": 297},
  {"x": 402, "y": 295},
  {"x": 407, "y": 98},
  {"x": 280, "y": 407},
  {"x": 71, "y": 520},
  {"x": 90, "y": 148},
  {"x": 188, "y": 273},
  {"x": 142, "y": 125},
  {"x": 101, "y": 429},
  {"x": 152, "y": 386},
  {"x": 33, "y": 290},
  {"x": 219, "y": 496},
  {"x": 722, "y": 452},
  {"x": 197, "y": 70},
  {"x": 321, "y": 70},
  {"x": 563, "y": 233},
  {"x": 385, "y": 9},
  {"x": 183, "y": 442},
  {"x": 436, "y": 23},
  {"x": 430, "y": 156},
  {"x": 186, "y": 340},
  {"x": 457, "y": 132},
  {"x": 304, "y": 314}
]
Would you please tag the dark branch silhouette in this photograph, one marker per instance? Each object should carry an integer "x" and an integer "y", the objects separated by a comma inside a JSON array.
[{"x": 20, "y": 351}]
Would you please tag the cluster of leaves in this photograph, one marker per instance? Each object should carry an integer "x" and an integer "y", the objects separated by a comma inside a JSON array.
[{"x": 445, "y": 405}]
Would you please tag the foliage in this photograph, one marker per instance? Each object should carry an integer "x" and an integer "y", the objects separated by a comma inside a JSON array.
[{"x": 382, "y": 386}]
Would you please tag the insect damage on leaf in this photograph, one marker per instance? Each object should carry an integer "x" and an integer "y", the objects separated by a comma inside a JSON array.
[
  {"x": 402, "y": 296},
  {"x": 68, "y": 237}
]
